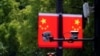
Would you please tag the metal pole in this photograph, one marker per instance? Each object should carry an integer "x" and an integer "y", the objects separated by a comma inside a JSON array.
[
  {"x": 59, "y": 9},
  {"x": 97, "y": 27},
  {"x": 68, "y": 39}
]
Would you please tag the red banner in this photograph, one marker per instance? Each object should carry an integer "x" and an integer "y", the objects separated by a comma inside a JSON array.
[
  {"x": 72, "y": 22},
  {"x": 48, "y": 23}
]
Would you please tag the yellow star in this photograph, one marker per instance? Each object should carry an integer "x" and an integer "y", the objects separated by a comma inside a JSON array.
[
  {"x": 43, "y": 21},
  {"x": 77, "y": 22}
]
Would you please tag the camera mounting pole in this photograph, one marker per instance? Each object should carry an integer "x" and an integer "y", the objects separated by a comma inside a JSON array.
[{"x": 59, "y": 10}]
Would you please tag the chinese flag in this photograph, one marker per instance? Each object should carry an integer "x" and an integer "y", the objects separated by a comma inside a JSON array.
[
  {"x": 72, "y": 23},
  {"x": 47, "y": 22}
]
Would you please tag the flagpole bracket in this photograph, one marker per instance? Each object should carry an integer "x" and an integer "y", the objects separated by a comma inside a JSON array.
[{"x": 71, "y": 40}]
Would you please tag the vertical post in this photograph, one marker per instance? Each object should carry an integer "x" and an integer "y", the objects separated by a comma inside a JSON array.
[
  {"x": 59, "y": 9},
  {"x": 59, "y": 6},
  {"x": 97, "y": 27}
]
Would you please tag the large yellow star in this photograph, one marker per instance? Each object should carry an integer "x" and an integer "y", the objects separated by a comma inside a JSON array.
[
  {"x": 43, "y": 21},
  {"x": 77, "y": 22}
]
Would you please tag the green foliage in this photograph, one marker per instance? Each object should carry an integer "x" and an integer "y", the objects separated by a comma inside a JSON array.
[{"x": 18, "y": 27}]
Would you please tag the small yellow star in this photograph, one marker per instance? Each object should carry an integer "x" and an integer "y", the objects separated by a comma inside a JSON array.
[
  {"x": 43, "y": 21},
  {"x": 77, "y": 22}
]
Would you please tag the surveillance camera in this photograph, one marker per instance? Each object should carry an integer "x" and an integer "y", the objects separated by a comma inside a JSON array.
[
  {"x": 46, "y": 35},
  {"x": 74, "y": 34}
]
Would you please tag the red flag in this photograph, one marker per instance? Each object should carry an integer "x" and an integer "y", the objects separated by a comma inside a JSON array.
[
  {"x": 47, "y": 22},
  {"x": 72, "y": 23}
]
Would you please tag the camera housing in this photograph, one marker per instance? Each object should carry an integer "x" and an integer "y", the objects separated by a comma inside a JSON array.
[
  {"x": 46, "y": 35},
  {"x": 74, "y": 35}
]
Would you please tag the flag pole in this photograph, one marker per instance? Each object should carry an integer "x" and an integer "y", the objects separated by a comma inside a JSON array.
[{"x": 59, "y": 10}]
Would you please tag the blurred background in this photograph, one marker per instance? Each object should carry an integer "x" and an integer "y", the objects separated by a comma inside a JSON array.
[{"x": 18, "y": 26}]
